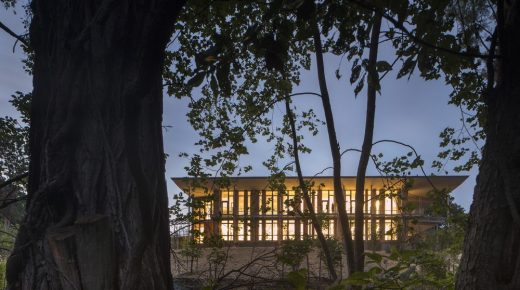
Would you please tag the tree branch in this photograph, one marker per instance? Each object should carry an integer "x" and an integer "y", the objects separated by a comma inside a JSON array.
[
  {"x": 416, "y": 39},
  {"x": 463, "y": 119},
  {"x": 16, "y": 36},
  {"x": 416, "y": 155},
  {"x": 14, "y": 179}
]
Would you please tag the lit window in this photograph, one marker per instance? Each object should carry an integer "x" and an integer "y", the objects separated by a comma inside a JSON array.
[
  {"x": 390, "y": 203},
  {"x": 327, "y": 201},
  {"x": 208, "y": 209},
  {"x": 227, "y": 202},
  {"x": 289, "y": 202},
  {"x": 377, "y": 233},
  {"x": 390, "y": 231},
  {"x": 289, "y": 230},
  {"x": 378, "y": 202},
  {"x": 368, "y": 230},
  {"x": 243, "y": 203},
  {"x": 198, "y": 232},
  {"x": 352, "y": 229},
  {"x": 368, "y": 207},
  {"x": 270, "y": 204},
  {"x": 243, "y": 231},
  {"x": 311, "y": 232},
  {"x": 227, "y": 230},
  {"x": 328, "y": 228},
  {"x": 350, "y": 197},
  {"x": 271, "y": 230},
  {"x": 314, "y": 198}
]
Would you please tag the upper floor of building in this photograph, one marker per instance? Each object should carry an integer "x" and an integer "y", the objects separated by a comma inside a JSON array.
[{"x": 257, "y": 197}]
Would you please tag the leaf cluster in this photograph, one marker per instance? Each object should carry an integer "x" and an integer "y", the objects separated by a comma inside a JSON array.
[
  {"x": 292, "y": 252},
  {"x": 401, "y": 270}
]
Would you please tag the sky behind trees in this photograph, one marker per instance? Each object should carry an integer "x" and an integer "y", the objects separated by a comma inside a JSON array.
[{"x": 410, "y": 111}]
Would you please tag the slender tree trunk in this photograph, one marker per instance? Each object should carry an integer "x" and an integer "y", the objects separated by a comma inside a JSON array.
[
  {"x": 366, "y": 149},
  {"x": 491, "y": 255},
  {"x": 314, "y": 220},
  {"x": 97, "y": 213},
  {"x": 339, "y": 195}
]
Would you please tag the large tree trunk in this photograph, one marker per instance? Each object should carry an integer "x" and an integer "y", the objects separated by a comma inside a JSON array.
[
  {"x": 97, "y": 213},
  {"x": 491, "y": 256}
]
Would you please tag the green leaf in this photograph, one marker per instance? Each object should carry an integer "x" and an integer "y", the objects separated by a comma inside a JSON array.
[
  {"x": 383, "y": 66},
  {"x": 407, "y": 68},
  {"x": 356, "y": 71},
  {"x": 196, "y": 80},
  {"x": 359, "y": 86}
]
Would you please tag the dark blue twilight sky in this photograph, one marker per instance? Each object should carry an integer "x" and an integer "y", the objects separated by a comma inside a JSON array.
[{"x": 411, "y": 111}]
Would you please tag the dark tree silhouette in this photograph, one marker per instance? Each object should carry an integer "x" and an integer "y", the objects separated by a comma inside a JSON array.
[
  {"x": 491, "y": 256},
  {"x": 97, "y": 209}
]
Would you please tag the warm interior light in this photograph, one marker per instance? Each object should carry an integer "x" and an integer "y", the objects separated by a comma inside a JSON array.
[
  {"x": 227, "y": 202},
  {"x": 271, "y": 203}
]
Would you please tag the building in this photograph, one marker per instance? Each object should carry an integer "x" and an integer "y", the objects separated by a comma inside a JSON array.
[{"x": 248, "y": 211}]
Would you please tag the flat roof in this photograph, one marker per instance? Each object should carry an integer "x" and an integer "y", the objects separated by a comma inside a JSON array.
[{"x": 420, "y": 184}]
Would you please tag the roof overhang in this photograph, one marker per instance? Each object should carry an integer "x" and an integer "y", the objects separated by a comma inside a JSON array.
[{"x": 420, "y": 184}]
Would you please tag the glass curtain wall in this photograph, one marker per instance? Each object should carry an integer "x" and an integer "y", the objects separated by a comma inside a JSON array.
[{"x": 276, "y": 216}]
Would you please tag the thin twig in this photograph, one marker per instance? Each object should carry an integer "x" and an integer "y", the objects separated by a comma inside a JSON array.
[
  {"x": 416, "y": 155},
  {"x": 463, "y": 119}
]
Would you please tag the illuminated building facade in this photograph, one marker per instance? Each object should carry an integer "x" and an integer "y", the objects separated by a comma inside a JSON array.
[{"x": 248, "y": 211}]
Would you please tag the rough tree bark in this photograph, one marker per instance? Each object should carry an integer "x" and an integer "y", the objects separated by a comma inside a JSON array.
[
  {"x": 97, "y": 215},
  {"x": 366, "y": 149},
  {"x": 339, "y": 194},
  {"x": 305, "y": 193},
  {"x": 491, "y": 255}
]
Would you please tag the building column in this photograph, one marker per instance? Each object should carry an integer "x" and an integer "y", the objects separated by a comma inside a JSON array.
[
  {"x": 217, "y": 213},
  {"x": 246, "y": 217},
  {"x": 262, "y": 208},
  {"x": 254, "y": 212},
  {"x": 278, "y": 215},
  {"x": 235, "y": 215},
  {"x": 373, "y": 221},
  {"x": 382, "y": 208},
  {"x": 403, "y": 203},
  {"x": 319, "y": 201}
]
